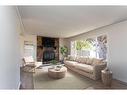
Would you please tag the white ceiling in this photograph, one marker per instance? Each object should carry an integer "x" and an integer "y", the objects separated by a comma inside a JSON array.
[{"x": 68, "y": 21}]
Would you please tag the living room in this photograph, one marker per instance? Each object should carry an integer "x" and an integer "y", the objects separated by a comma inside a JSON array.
[
  {"x": 114, "y": 43},
  {"x": 36, "y": 24}
]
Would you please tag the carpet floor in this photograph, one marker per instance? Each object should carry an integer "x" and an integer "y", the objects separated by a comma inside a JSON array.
[{"x": 72, "y": 80}]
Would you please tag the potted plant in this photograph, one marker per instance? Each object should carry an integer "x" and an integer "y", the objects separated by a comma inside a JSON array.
[
  {"x": 63, "y": 51},
  {"x": 53, "y": 62}
]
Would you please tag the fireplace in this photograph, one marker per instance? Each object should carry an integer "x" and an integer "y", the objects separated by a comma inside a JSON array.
[
  {"x": 48, "y": 56},
  {"x": 47, "y": 49}
]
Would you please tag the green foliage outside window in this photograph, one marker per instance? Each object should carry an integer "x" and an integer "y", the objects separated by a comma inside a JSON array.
[{"x": 84, "y": 45}]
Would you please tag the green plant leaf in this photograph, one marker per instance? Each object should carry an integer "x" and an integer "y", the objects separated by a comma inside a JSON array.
[{"x": 64, "y": 50}]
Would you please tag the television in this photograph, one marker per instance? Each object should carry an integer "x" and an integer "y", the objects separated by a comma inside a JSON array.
[{"x": 48, "y": 42}]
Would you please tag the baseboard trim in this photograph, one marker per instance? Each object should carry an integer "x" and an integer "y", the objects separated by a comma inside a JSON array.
[{"x": 125, "y": 83}]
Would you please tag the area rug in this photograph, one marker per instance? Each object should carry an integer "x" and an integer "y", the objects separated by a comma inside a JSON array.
[{"x": 41, "y": 80}]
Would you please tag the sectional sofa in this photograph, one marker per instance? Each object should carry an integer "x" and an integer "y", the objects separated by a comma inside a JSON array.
[{"x": 89, "y": 67}]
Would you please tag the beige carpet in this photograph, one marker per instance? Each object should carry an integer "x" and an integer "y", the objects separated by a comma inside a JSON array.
[{"x": 71, "y": 81}]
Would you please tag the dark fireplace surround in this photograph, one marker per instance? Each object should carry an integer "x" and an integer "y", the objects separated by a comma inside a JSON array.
[{"x": 47, "y": 49}]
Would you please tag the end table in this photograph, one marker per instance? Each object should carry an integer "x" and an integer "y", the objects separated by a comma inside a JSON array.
[{"x": 106, "y": 77}]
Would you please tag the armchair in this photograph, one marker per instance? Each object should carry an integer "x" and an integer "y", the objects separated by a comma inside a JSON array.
[{"x": 30, "y": 64}]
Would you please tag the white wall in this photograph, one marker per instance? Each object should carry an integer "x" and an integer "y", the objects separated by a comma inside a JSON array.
[
  {"x": 117, "y": 47},
  {"x": 117, "y": 50},
  {"x": 9, "y": 48},
  {"x": 28, "y": 37}
]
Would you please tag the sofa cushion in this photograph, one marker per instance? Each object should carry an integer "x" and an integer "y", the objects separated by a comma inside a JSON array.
[
  {"x": 71, "y": 63},
  {"x": 97, "y": 61},
  {"x": 85, "y": 67}
]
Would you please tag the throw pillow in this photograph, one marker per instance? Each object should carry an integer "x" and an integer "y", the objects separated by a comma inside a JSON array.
[
  {"x": 67, "y": 58},
  {"x": 76, "y": 58},
  {"x": 97, "y": 61},
  {"x": 89, "y": 61},
  {"x": 83, "y": 60},
  {"x": 72, "y": 58}
]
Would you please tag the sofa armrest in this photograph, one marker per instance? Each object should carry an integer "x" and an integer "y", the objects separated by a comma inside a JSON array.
[{"x": 98, "y": 68}]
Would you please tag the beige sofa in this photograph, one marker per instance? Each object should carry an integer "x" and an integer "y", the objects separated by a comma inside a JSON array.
[{"x": 89, "y": 67}]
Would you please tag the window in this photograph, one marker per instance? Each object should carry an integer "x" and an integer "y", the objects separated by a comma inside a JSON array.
[
  {"x": 82, "y": 48},
  {"x": 92, "y": 47},
  {"x": 29, "y": 49}
]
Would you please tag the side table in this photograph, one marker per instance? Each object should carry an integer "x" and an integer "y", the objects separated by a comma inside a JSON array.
[{"x": 106, "y": 76}]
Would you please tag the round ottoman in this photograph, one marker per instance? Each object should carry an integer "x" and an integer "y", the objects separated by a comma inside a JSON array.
[{"x": 52, "y": 72}]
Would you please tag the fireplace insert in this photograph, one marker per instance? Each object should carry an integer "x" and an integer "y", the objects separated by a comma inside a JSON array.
[{"x": 48, "y": 56}]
